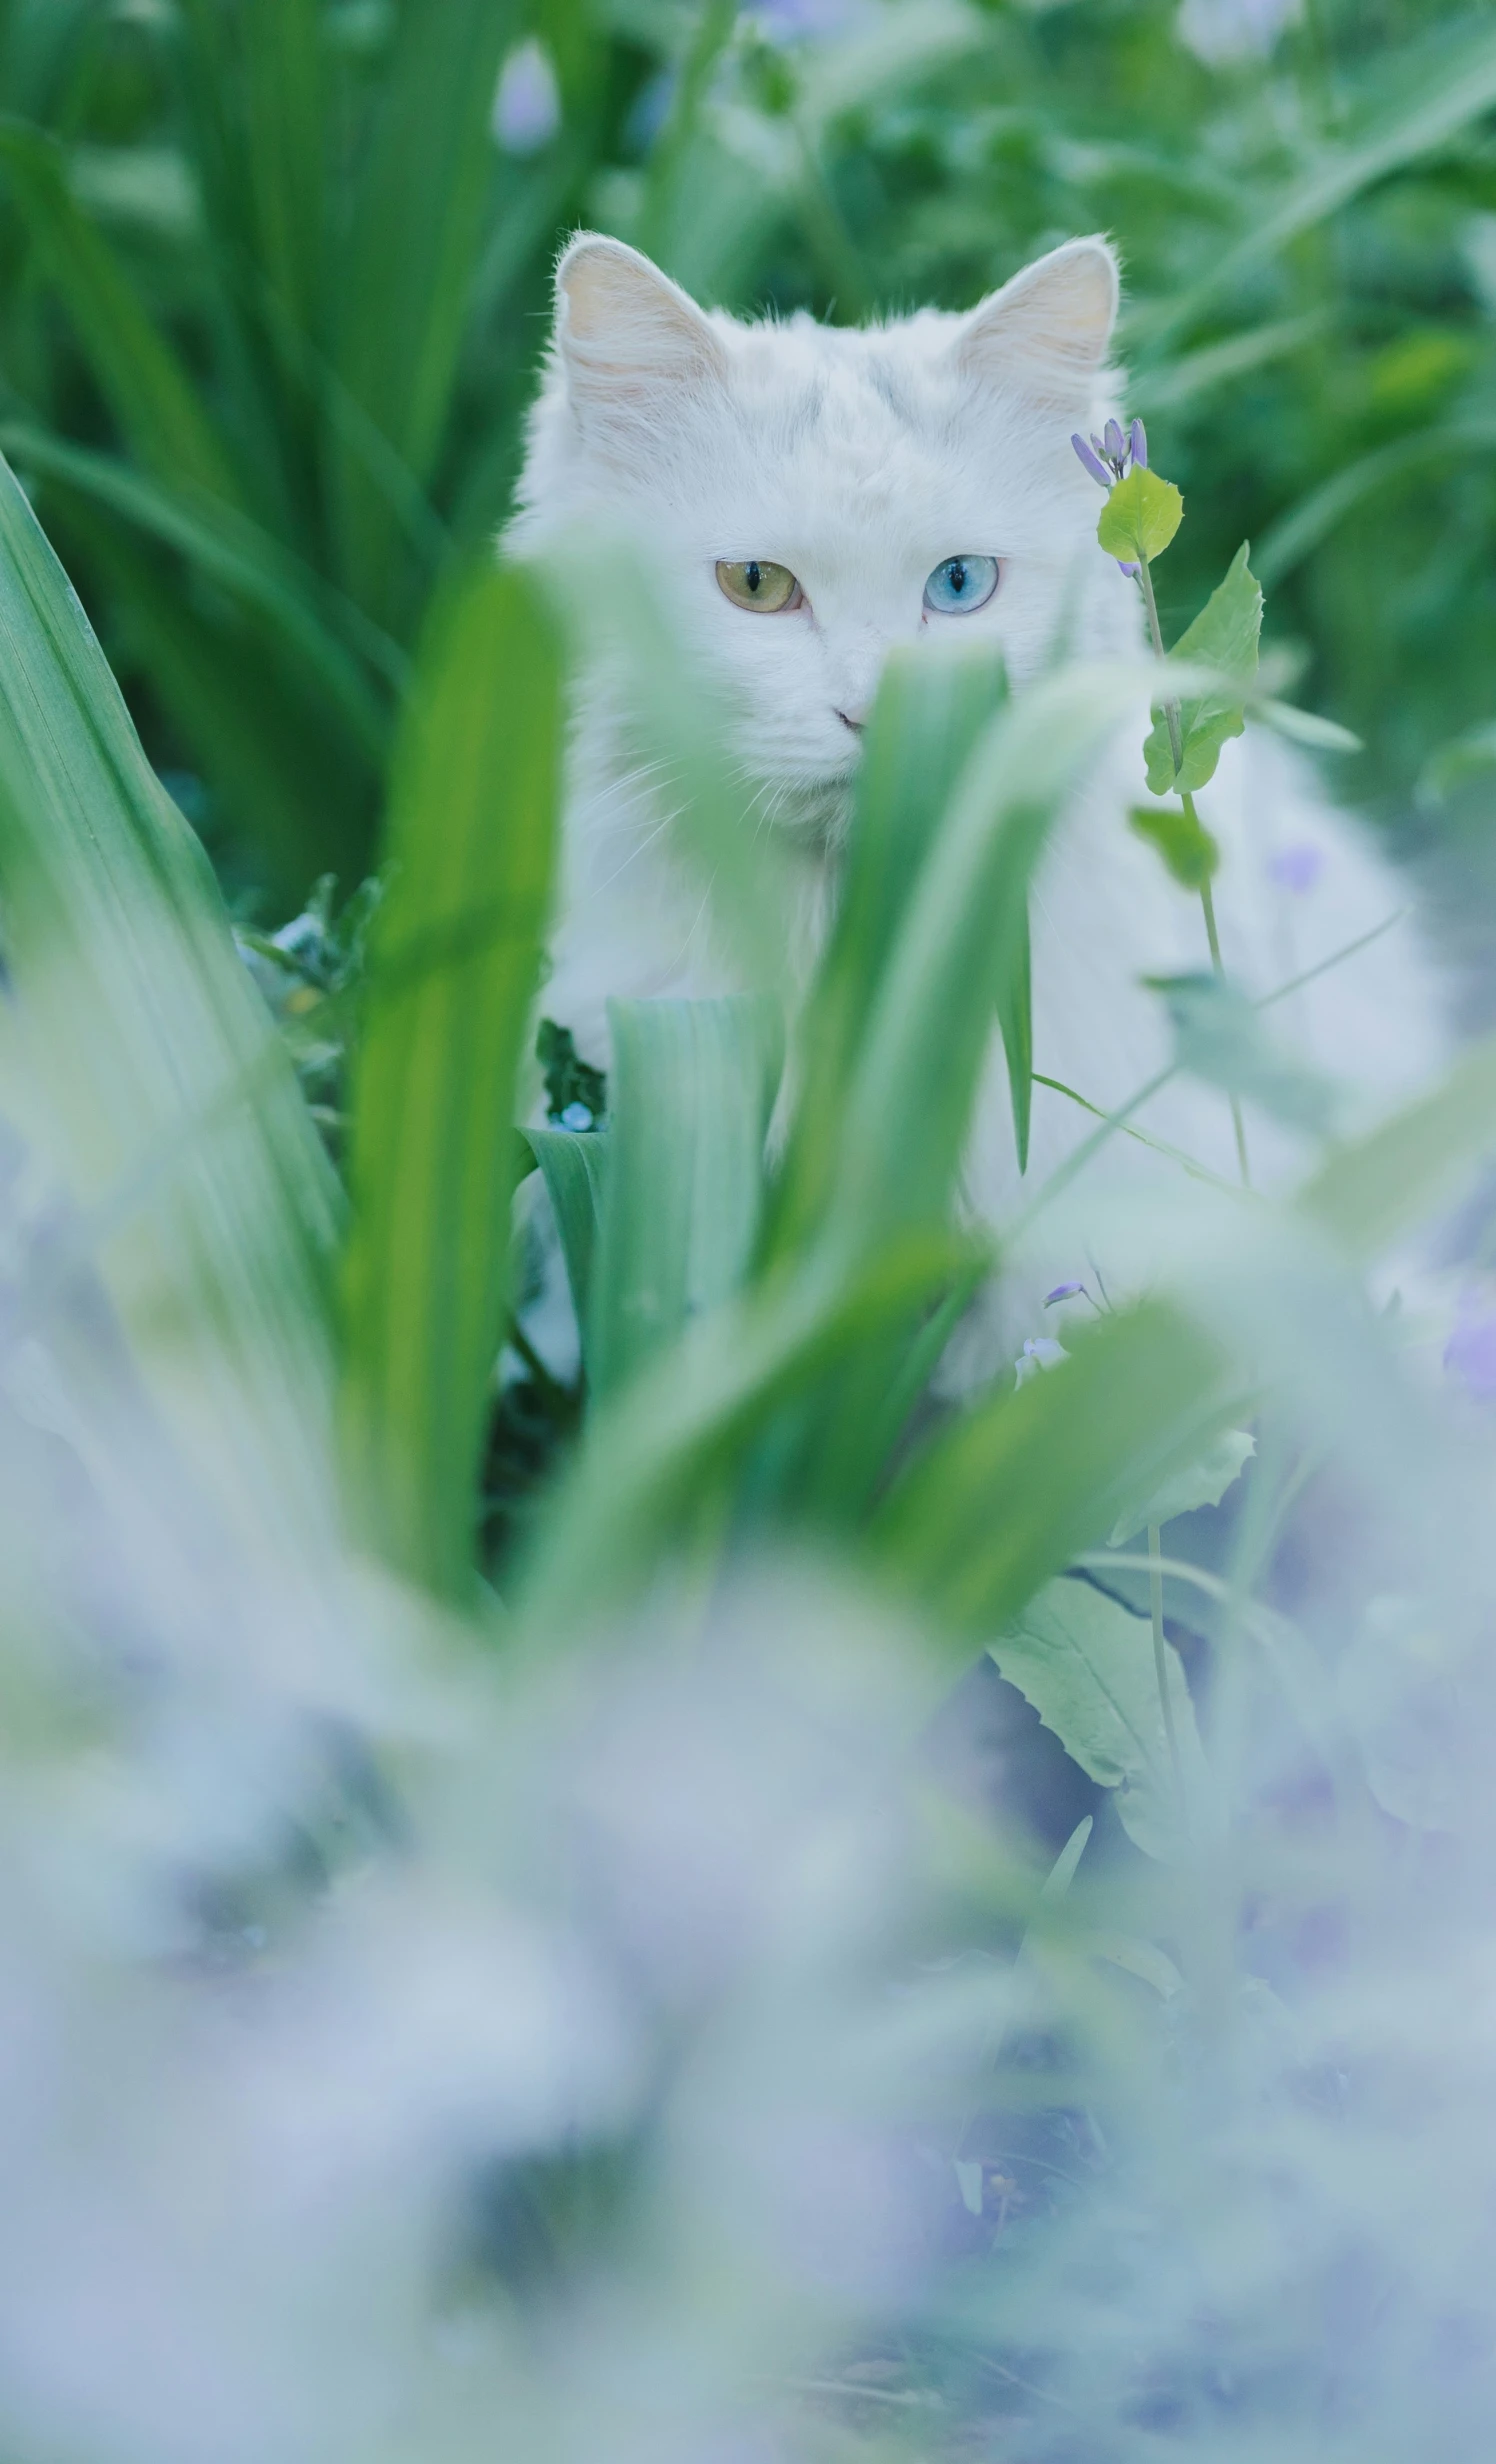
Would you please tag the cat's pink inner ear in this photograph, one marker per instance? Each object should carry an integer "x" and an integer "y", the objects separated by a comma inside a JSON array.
[
  {"x": 1047, "y": 331},
  {"x": 626, "y": 331}
]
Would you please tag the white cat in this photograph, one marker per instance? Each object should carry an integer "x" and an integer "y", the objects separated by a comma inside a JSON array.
[{"x": 819, "y": 495}]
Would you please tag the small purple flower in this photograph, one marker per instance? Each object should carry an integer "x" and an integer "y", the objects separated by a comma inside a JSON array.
[
  {"x": 1131, "y": 571},
  {"x": 1091, "y": 462},
  {"x": 1137, "y": 445},
  {"x": 1037, "y": 1354},
  {"x": 1062, "y": 1291},
  {"x": 576, "y": 1117},
  {"x": 1297, "y": 868},
  {"x": 1470, "y": 1353},
  {"x": 1116, "y": 450}
]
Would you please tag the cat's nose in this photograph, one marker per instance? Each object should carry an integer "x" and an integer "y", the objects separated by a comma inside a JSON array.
[{"x": 855, "y": 719}]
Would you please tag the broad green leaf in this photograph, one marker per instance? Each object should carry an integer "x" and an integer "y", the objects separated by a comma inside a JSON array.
[
  {"x": 573, "y": 1165},
  {"x": 1220, "y": 1036},
  {"x": 143, "y": 1066},
  {"x": 1086, "y": 1664},
  {"x": 1203, "y": 1482},
  {"x": 1408, "y": 1171},
  {"x": 1223, "y": 636},
  {"x": 691, "y": 1089},
  {"x": 412, "y": 251},
  {"x": 150, "y": 393},
  {"x": 453, "y": 963},
  {"x": 1189, "y": 852},
  {"x": 1140, "y": 517},
  {"x": 1006, "y": 1494}
]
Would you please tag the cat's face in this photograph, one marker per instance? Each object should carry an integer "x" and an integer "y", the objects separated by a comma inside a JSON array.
[{"x": 820, "y": 495}]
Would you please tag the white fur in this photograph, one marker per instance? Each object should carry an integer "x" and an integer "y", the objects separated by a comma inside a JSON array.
[{"x": 861, "y": 460}]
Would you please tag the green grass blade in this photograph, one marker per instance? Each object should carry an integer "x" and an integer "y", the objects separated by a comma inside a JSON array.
[
  {"x": 413, "y": 250},
  {"x": 929, "y": 714},
  {"x": 227, "y": 548},
  {"x": 155, "y": 1083},
  {"x": 659, "y": 1452},
  {"x": 690, "y": 1094},
  {"x": 454, "y": 959},
  {"x": 147, "y": 388},
  {"x": 300, "y": 788},
  {"x": 573, "y": 1166},
  {"x": 1006, "y": 1495}
]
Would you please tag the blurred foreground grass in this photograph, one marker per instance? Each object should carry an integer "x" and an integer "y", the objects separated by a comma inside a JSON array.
[{"x": 589, "y": 1999}]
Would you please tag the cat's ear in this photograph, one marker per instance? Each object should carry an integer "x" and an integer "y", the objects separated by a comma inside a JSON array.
[
  {"x": 1047, "y": 331},
  {"x": 627, "y": 337}
]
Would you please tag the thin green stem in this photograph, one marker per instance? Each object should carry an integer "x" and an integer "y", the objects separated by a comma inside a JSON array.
[{"x": 1176, "y": 747}]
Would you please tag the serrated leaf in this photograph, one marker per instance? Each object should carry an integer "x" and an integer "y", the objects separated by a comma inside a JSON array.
[
  {"x": 1219, "y": 1036},
  {"x": 1189, "y": 852},
  {"x": 1203, "y": 1482},
  {"x": 1086, "y": 1665},
  {"x": 1224, "y": 636},
  {"x": 1140, "y": 517}
]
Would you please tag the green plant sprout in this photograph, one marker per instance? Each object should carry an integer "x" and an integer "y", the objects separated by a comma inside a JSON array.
[{"x": 1139, "y": 521}]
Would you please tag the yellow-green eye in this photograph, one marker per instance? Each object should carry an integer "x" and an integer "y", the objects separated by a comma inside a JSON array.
[{"x": 767, "y": 589}]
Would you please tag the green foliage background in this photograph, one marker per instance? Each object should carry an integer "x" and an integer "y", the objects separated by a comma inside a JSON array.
[{"x": 272, "y": 296}]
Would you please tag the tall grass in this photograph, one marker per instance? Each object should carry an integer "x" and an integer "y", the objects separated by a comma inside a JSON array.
[{"x": 600, "y": 1998}]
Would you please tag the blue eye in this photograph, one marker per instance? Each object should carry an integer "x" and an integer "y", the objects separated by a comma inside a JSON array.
[{"x": 961, "y": 584}]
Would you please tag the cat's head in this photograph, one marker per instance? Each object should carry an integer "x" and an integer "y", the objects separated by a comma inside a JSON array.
[{"x": 819, "y": 494}]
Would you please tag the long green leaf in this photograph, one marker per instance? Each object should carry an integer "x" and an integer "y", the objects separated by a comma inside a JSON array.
[
  {"x": 573, "y": 1165},
  {"x": 1402, "y": 1174},
  {"x": 454, "y": 960},
  {"x": 1007, "y": 1494},
  {"x": 144, "y": 382},
  {"x": 690, "y": 1092},
  {"x": 412, "y": 253},
  {"x": 148, "y": 1071}
]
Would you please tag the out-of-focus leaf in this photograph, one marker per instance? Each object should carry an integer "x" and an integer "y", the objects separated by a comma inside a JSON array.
[
  {"x": 454, "y": 957},
  {"x": 234, "y": 552},
  {"x": 1407, "y": 1171},
  {"x": 1306, "y": 727},
  {"x": 299, "y": 787},
  {"x": 145, "y": 384},
  {"x": 1187, "y": 847},
  {"x": 1201, "y": 1483},
  {"x": 1140, "y": 517},
  {"x": 930, "y": 710},
  {"x": 656, "y": 1454},
  {"x": 1223, "y": 636},
  {"x": 908, "y": 1107},
  {"x": 1297, "y": 533},
  {"x": 1006, "y": 1494},
  {"x": 573, "y": 1165},
  {"x": 691, "y": 1090},
  {"x": 1086, "y": 1664},
  {"x": 168, "y": 1107},
  {"x": 413, "y": 248},
  {"x": 1219, "y": 1036}
]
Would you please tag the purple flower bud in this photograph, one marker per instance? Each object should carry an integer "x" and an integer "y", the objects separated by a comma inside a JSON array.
[
  {"x": 1138, "y": 445},
  {"x": 1089, "y": 462},
  {"x": 1112, "y": 439},
  {"x": 1062, "y": 1291},
  {"x": 1131, "y": 571},
  {"x": 1296, "y": 868}
]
